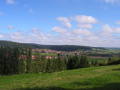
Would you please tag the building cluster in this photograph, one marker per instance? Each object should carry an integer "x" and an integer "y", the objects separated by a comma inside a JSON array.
[{"x": 46, "y": 51}]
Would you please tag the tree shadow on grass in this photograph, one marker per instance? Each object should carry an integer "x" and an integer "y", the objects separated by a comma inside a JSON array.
[
  {"x": 116, "y": 69},
  {"x": 110, "y": 86}
]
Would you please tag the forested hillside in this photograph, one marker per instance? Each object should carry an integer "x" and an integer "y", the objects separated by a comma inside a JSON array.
[
  {"x": 52, "y": 47},
  {"x": 61, "y": 47},
  {"x": 13, "y": 44}
]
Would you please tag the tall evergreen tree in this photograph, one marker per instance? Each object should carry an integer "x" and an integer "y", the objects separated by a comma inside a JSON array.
[
  {"x": 1, "y": 61},
  {"x": 84, "y": 61},
  {"x": 37, "y": 63},
  {"x": 96, "y": 63},
  {"x": 21, "y": 63},
  {"x": 49, "y": 66},
  {"x": 29, "y": 61}
]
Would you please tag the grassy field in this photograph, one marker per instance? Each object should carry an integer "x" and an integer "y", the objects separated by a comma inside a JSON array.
[
  {"x": 49, "y": 54},
  {"x": 93, "y": 78},
  {"x": 99, "y": 59}
]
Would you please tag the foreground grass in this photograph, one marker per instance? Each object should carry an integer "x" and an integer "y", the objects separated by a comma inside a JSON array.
[{"x": 93, "y": 78}]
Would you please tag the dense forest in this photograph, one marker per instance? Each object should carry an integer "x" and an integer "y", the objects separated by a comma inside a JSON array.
[{"x": 60, "y": 47}]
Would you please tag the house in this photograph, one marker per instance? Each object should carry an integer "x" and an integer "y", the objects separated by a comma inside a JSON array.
[
  {"x": 48, "y": 57},
  {"x": 33, "y": 57},
  {"x": 22, "y": 57}
]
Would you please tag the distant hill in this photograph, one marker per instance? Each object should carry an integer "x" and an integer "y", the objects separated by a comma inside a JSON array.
[
  {"x": 13, "y": 44},
  {"x": 60, "y": 47},
  {"x": 52, "y": 47}
]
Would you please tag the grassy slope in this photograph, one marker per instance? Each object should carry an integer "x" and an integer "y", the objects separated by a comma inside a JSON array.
[{"x": 93, "y": 78}]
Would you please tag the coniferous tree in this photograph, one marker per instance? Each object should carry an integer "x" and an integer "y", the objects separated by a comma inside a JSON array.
[
  {"x": 1, "y": 61},
  {"x": 69, "y": 64},
  {"x": 15, "y": 60},
  {"x": 49, "y": 66},
  {"x": 37, "y": 63},
  {"x": 92, "y": 63},
  {"x": 44, "y": 65},
  {"x": 73, "y": 62},
  {"x": 29, "y": 61},
  {"x": 96, "y": 63},
  {"x": 84, "y": 61},
  {"x": 21, "y": 63}
]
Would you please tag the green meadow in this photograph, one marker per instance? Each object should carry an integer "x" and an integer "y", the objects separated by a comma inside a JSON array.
[
  {"x": 92, "y": 78},
  {"x": 47, "y": 54}
]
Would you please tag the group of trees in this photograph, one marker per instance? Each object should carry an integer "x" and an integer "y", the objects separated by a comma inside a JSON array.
[
  {"x": 18, "y": 60},
  {"x": 113, "y": 60},
  {"x": 9, "y": 61},
  {"x": 77, "y": 62}
]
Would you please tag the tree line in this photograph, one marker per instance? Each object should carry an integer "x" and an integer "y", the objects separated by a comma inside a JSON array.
[{"x": 19, "y": 61}]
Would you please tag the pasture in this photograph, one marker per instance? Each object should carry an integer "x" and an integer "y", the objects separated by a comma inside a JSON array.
[{"x": 92, "y": 78}]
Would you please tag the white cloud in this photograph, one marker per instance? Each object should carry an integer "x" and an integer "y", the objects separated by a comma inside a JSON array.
[
  {"x": 35, "y": 30},
  {"x": 10, "y": 2},
  {"x": 118, "y": 22},
  {"x": 110, "y": 30},
  {"x": 116, "y": 30},
  {"x": 10, "y": 27},
  {"x": 30, "y": 10},
  {"x": 107, "y": 36},
  {"x": 65, "y": 21},
  {"x": 85, "y": 21},
  {"x": 1, "y": 13},
  {"x": 86, "y": 26},
  {"x": 59, "y": 30},
  {"x": 1, "y": 36},
  {"x": 83, "y": 32}
]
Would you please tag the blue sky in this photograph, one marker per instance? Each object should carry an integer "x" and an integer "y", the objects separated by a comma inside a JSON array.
[{"x": 61, "y": 22}]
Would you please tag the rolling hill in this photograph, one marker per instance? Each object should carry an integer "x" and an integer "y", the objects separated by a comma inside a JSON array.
[{"x": 52, "y": 47}]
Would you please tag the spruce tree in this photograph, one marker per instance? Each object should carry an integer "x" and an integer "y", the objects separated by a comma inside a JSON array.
[
  {"x": 37, "y": 63},
  {"x": 49, "y": 66},
  {"x": 92, "y": 63},
  {"x": 21, "y": 63},
  {"x": 84, "y": 61},
  {"x": 29, "y": 61},
  {"x": 96, "y": 63}
]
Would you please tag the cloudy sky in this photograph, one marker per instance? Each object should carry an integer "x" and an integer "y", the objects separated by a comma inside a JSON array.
[{"x": 61, "y": 22}]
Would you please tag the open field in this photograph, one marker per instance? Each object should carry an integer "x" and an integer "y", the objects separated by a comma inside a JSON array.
[
  {"x": 99, "y": 59},
  {"x": 49, "y": 54},
  {"x": 93, "y": 78}
]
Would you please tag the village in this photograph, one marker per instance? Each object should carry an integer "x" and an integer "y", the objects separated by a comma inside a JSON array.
[{"x": 47, "y": 53}]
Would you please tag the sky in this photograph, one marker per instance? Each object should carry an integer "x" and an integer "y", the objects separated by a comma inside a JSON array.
[{"x": 61, "y": 22}]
